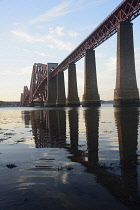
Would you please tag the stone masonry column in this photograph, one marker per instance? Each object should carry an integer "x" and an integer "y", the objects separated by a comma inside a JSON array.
[
  {"x": 126, "y": 92},
  {"x": 51, "y": 86},
  {"x": 61, "y": 98},
  {"x": 91, "y": 96},
  {"x": 72, "y": 99}
]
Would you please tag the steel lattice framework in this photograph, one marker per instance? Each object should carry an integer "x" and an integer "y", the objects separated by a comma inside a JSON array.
[
  {"x": 37, "y": 85},
  {"x": 126, "y": 11},
  {"x": 24, "y": 96}
]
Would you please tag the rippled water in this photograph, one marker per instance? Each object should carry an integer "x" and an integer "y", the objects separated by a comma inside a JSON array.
[{"x": 69, "y": 158}]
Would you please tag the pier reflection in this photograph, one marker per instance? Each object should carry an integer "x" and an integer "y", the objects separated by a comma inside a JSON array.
[
  {"x": 89, "y": 155},
  {"x": 73, "y": 126},
  {"x": 92, "y": 128},
  {"x": 127, "y": 126},
  {"x": 25, "y": 115},
  {"x": 49, "y": 128}
]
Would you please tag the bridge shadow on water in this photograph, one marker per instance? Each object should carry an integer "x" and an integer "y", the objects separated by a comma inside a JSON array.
[{"x": 121, "y": 178}]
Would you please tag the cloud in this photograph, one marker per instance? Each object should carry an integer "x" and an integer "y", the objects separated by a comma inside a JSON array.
[
  {"x": 57, "y": 31},
  {"x": 73, "y": 34},
  {"x": 50, "y": 39},
  {"x": 63, "y": 9},
  {"x": 59, "y": 10},
  {"x": 61, "y": 44},
  {"x": 27, "y": 37}
]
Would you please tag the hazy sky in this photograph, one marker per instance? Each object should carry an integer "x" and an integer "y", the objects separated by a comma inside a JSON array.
[{"x": 46, "y": 31}]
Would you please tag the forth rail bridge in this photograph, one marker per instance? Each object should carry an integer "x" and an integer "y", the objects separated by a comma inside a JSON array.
[{"x": 47, "y": 87}]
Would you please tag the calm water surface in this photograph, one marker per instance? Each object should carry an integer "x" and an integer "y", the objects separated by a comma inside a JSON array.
[{"x": 69, "y": 158}]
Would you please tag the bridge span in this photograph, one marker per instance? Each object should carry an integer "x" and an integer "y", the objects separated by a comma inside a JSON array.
[{"x": 47, "y": 81}]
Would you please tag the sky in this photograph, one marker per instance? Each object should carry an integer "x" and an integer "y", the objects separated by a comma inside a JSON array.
[{"x": 45, "y": 31}]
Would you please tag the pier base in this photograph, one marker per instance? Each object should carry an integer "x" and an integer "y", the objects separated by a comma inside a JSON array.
[{"x": 126, "y": 101}]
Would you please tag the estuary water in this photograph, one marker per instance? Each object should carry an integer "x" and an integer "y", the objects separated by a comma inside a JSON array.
[{"x": 69, "y": 158}]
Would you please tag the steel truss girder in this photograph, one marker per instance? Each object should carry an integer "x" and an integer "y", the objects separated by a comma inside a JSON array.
[
  {"x": 39, "y": 75},
  {"x": 128, "y": 10}
]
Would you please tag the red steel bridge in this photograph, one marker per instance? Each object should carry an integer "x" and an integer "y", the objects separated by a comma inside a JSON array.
[{"x": 126, "y": 11}]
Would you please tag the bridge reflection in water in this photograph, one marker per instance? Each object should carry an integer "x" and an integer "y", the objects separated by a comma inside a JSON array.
[
  {"x": 127, "y": 124},
  {"x": 50, "y": 128}
]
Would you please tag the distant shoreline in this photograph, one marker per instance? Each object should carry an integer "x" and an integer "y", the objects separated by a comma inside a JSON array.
[
  {"x": 9, "y": 103},
  {"x": 17, "y": 103},
  {"x": 107, "y": 102}
]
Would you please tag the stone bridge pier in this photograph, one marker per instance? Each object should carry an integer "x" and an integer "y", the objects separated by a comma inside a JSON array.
[
  {"x": 91, "y": 96},
  {"x": 126, "y": 92},
  {"x": 72, "y": 99}
]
